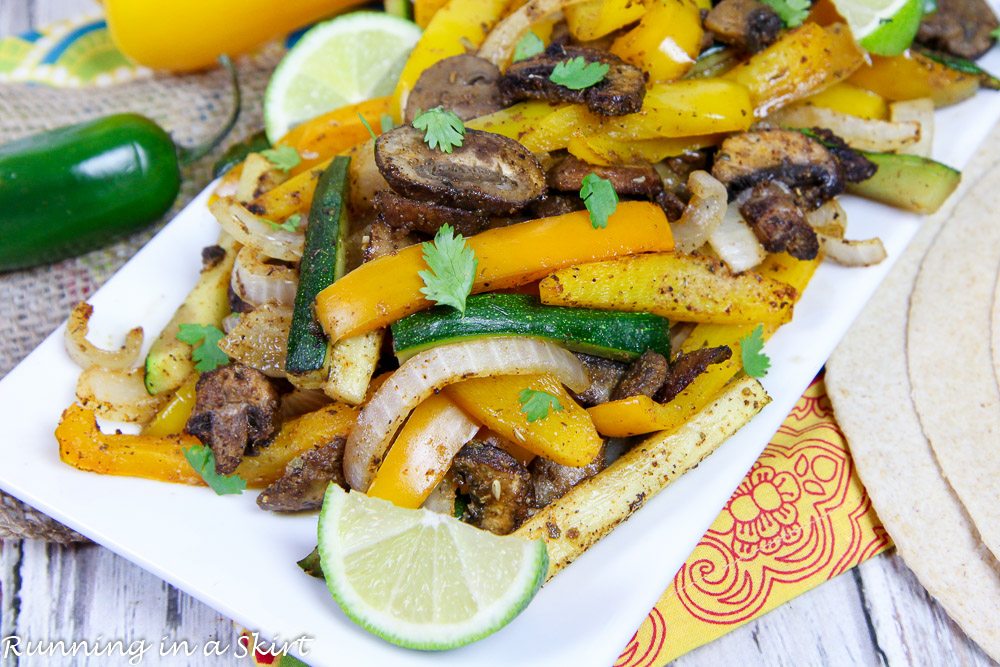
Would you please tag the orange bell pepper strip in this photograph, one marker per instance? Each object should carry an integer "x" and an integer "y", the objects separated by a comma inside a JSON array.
[
  {"x": 422, "y": 452},
  {"x": 331, "y": 134},
  {"x": 803, "y": 62},
  {"x": 567, "y": 437},
  {"x": 172, "y": 417},
  {"x": 386, "y": 289},
  {"x": 83, "y": 446},
  {"x": 666, "y": 42},
  {"x": 293, "y": 196},
  {"x": 911, "y": 76}
]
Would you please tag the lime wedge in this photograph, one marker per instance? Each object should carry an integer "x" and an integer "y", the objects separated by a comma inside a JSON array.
[
  {"x": 420, "y": 579},
  {"x": 343, "y": 61},
  {"x": 882, "y": 27}
]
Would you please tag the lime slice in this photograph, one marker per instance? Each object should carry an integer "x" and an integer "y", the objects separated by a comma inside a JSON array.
[
  {"x": 882, "y": 27},
  {"x": 343, "y": 61},
  {"x": 420, "y": 579}
]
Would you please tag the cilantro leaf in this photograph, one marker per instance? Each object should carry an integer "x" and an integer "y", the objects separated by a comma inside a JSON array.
[
  {"x": 755, "y": 362},
  {"x": 204, "y": 339},
  {"x": 536, "y": 404},
  {"x": 995, "y": 33},
  {"x": 202, "y": 460},
  {"x": 387, "y": 123},
  {"x": 289, "y": 225},
  {"x": 284, "y": 158},
  {"x": 577, "y": 73},
  {"x": 368, "y": 126},
  {"x": 452, "y": 269},
  {"x": 528, "y": 46},
  {"x": 442, "y": 129},
  {"x": 792, "y": 12},
  {"x": 600, "y": 198}
]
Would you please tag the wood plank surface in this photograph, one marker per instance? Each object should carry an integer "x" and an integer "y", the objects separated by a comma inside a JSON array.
[{"x": 876, "y": 614}]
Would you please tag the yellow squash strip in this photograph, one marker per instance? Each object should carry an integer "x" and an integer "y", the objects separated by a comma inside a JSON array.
[
  {"x": 801, "y": 63},
  {"x": 666, "y": 41},
  {"x": 82, "y": 445},
  {"x": 172, "y": 417},
  {"x": 422, "y": 452},
  {"x": 591, "y": 19},
  {"x": 452, "y": 30},
  {"x": 847, "y": 98},
  {"x": 603, "y": 150},
  {"x": 384, "y": 290},
  {"x": 352, "y": 363},
  {"x": 911, "y": 76},
  {"x": 566, "y": 437},
  {"x": 325, "y": 136},
  {"x": 516, "y": 121},
  {"x": 684, "y": 288},
  {"x": 293, "y": 196},
  {"x": 592, "y": 508}
]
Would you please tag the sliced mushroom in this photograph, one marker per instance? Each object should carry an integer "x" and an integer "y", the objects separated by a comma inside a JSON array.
[
  {"x": 605, "y": 374},
  {"x": 488, "y": 172},
  {"x": 960, "y": 27},
  {"x": 746, "y": 24},
  {"x": 798, "y": 161},
  {"x": 498, "y": 487},
  {"x": 778, "y": 222},
  {"x": 383, "y": 240},
  {"x": 644, "y": 376},
  {"x": 305, "y": 480},
  {"x": 411, "y": 215},
  {"x": 688, "y": 366},
  {"x": 854, "y": 166},
  {"x": 463, "y": 84},
  {"x": 551, "y": 481},
  {"x": 635, "y": 180},
  {"x": 620, "y": 92}
]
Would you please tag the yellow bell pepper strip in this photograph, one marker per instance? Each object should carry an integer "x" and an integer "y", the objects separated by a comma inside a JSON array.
[
  {"x": 293, "y": 196},
  {"x": 803, "y": 62},
  {"x": 516, "y": 450},
  {"x": 591, "y": 19},
  {"x": 680, "y": 109},
  {"x": 516, "y": 121},
  {"x": 331, "y": 134},
  {"x": 911, "y": 76},
  {"x": 83, "y": 446},
  {"x": 454, "y": 28},
  {"x": 685, "y": 288},
  {"x": 604, "y": 150},
  {"x": 847, "y": 98},
  {"x": 567, "y": 437},
  {"x": 793, "y": 272},
  {"x": 424, "y": 10},
  {"x": 187, "y": 35},
  {"x": 422, "y": 452},
  {"x": 666, "y": 42},
  {"x": 824, "y": 12},
  {"x": 386, "y": 289},
  {"x": 172, "y": 417}
]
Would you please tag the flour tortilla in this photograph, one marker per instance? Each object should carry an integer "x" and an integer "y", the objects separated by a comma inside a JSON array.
[
  {"x": 949, "y": 348},
  {"x": 868, "y": 383}
]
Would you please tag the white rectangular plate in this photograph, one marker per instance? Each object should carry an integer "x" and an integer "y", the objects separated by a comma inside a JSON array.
[{"x": 241, "y": 561}]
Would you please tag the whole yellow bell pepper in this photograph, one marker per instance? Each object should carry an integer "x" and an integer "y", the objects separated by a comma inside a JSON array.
[
  {"x": 567, "y": 437},
  {"x": 187, "y": 35},
  {"x": 666, "y": 41},
  {"x": 591, "y": 19},
  {"x": 911, "y": 76}
]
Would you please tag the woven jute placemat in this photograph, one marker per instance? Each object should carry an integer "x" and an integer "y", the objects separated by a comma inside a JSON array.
[{"x": 36, "y": 301}]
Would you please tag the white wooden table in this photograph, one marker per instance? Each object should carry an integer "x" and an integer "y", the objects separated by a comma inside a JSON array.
[{"x": 875, "y": 614}]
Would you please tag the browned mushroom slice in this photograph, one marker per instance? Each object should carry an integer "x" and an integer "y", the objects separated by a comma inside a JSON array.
[
  {"x": 551, "y": 481},
  {"x": 960, "y": 27},
  {"x": 234, "y": 410},
  {"x": 305, "y": 480},
  {"x": 798, "y": 161},
  {"x": 464, "y": 84},
  {"x": 605, "y": 374},
  {"x": 778, "y": 222},
  {"x": 746, "y": 24},
  {"x": 383, "y": 240},
  {"x": 854, "y": 166},
  {"x": 555, "y": 204},
  {"x": 620, "y": 92},
  {"x": 410, "y": 215},
  {"x": 488, "y": 172},
  {"x": 497, "y": 485},
  {"x": 644, "y": 376},
  {"x": 688, "y": 366},
  {"x": 636, "y": 180}
]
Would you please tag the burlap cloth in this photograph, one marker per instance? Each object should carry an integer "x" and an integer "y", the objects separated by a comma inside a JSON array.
[{"x": 36, "y": 301}]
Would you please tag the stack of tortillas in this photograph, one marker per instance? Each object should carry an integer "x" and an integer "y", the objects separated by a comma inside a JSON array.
[{"x": 916, "y": 389}]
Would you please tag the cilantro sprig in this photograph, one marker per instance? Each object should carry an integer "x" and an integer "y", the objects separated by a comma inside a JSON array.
[
  {"x": 202, "y": 460},
  {"x": 204, "y": 339},
  {"x": 291, "y": 224},
  {"x": 577, "y": 74},
  {"x": 536, "y": 404},
  {"x": 600, "y": 198},
  {"x": 284, "y": 158},
  {"x": 452, "y": 271},
  {"x": 443, "y": 130},
  {"x": 528, "y": 46},
  {"x": 368, "y": 126},
  {"x": 387, "y": 123},
  {"x": 755, "y": 362},
  {"x": 792, "y": 12}
]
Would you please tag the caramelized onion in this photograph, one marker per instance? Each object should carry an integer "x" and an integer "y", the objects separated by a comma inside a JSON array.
[
  {"x": 119, "y": 395},
  {"x": 86, "y": 354},
  {"x": 499, "y": 44},
  {"x": 861, "y": 133},
  {"x": 258, "y": 281},
  {"x": 256, "y": 232},
  {"x": 703, "y": 213},
  {"x": 260, "y": 338},
  {"x": 735, "y": 243},
  {"x": 852, "y": 253}
]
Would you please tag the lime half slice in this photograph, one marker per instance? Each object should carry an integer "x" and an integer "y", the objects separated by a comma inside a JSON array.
[
  {"x": 882, "y": 27},
  {"x": 343, "y": 61},
  {"x": 420, "y": 579}
]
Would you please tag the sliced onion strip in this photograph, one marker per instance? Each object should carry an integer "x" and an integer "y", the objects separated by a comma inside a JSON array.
[
  {"x": 920, "y": 110},
  {"x": 830, "y": 219},
  {"x": 499, "y": 44},
  {"x": 260, "y": 338},
  {"x": 257, "y": 281},
  {"x": 119, "y": 395},
  {"x": 432, "y": 370},
  {"x": 852, "y": 253},
  {"x": 735, "y": 243},
  {"x": 256, "y": 232},
  {"x": 86, "y": 354},
  {"x": 703, "y": 213},
  {"x": 860, "y": 133}
]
